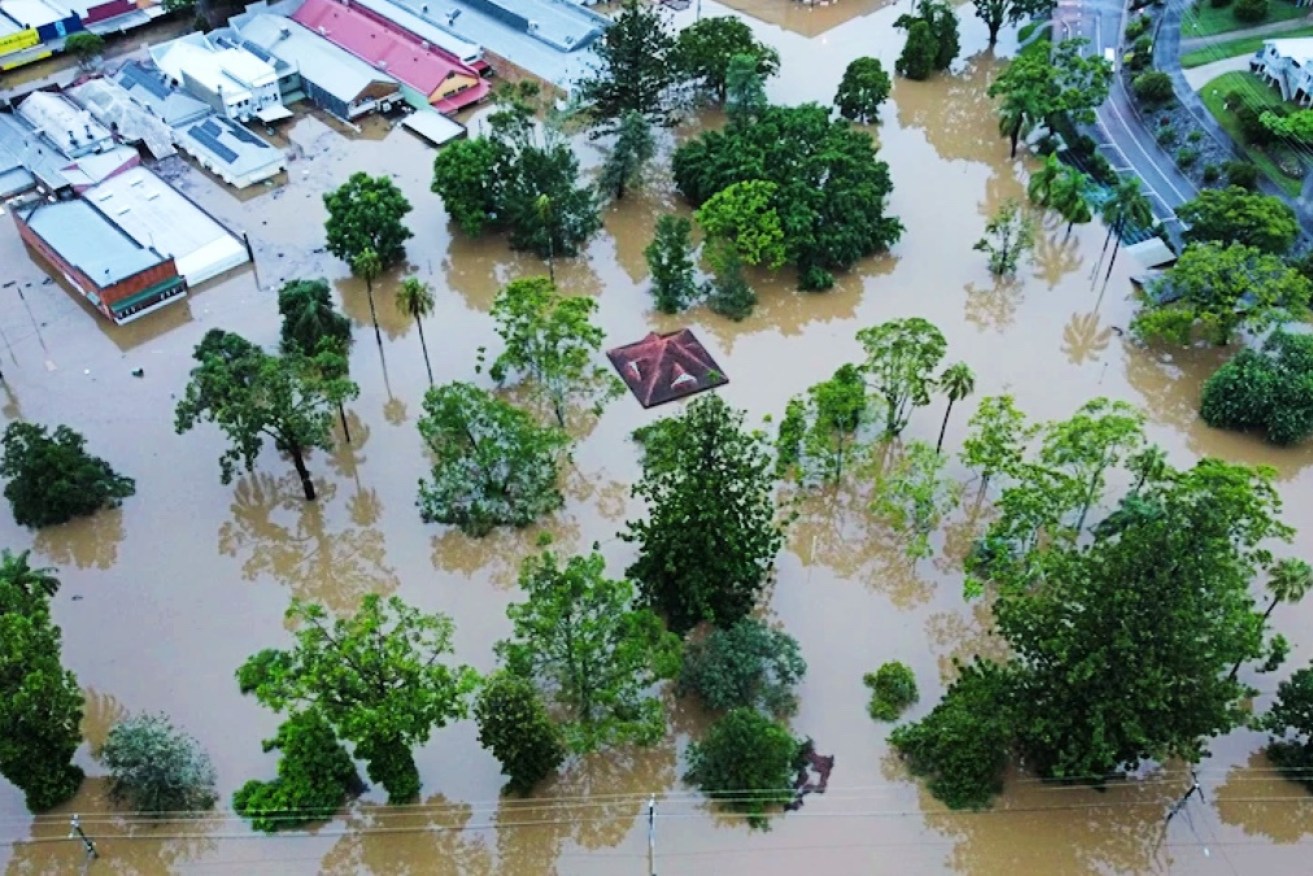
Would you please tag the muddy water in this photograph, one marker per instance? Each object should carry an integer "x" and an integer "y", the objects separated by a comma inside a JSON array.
[{"x": 164, "y": 599}]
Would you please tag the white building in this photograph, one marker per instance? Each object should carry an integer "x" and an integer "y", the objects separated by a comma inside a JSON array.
[
  {"x": 1288, "y": 65},
  {"x": 69, "y": 128},
  {"x": 235, "y": 83}
]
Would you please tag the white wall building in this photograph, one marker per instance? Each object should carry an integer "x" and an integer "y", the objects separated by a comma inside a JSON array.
[
  {"x": 1288, "y": 65},
  {"x": 235, "y": 83}
]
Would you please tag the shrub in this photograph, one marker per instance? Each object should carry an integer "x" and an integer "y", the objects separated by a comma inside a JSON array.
[
  {"x": 156, "y": 768},
  {"x": 1195, "y": 136},
  {"x": 893, "y": 689},
  {"x": 1153, "y": 87},
  {"x": 52, "y": 477},
  {"x": 1212, "y": 173},
  {"x": 1186, "y": 156},
  {"x": 1166, "y": 136},
  {"x": 1139, "y": 25},
  {"x": 1252, "y": 129},
  {"x": 745, "y": 751},
  {"x": 748, "y": 665},
  {"x": 315, "y": 775},
  {"x": 1241, "y": 173},
  {"x": 1250, "y": 11},
  {"x": 1270, "y": 390}
]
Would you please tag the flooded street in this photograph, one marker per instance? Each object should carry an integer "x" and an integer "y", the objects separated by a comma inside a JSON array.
[{"x": 164, "y": 598}]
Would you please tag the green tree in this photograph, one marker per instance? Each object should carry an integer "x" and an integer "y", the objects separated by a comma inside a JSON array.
[
  {"x": 1216, "y": 290},
  {"x": 748, "y": 665},
  {"x": 913, "y": 493},
  {"x": 917, "y": 60},
  {"x": 997, "y": 438},
  {"x": 367, "y": 213},
  {"x": 154, "y": 767},
  {"x": 1045, "y": 82},
  {"x": 1296, "y": 125},
  {"x": 712, "y": 533},
  {"x": 252, "y": 396},
  {"x": 932, "y": 48},
  {"x": 553, "y": 341},
  {"x": 633, "y": 149},
  {"x": 1270, "y": 390},
  {"x": 832, "y": 189},
  {"x": 368, "y": 266},
  {"x": 466, "y": 175},
  {"x": 309, "y": 317},
  {"x": 40, "y": 702},
  {"x": 670, "y": 261},
  {"x": 1009, "y": 235},
  {"x": 1236, "y": 215},
  {"x": 581, "y": 640},
  {"x": 821, "y": 431},
  {"x": 415, "y": 299},
  {"x": 703, "y": 51},
  {"x": 636, "y": 67},
  {"x": 893, "y": 689},
  {"x": 492, "y": 464},
  {"x": 1100, "y": 435},
  {"x": 515, "y": 727},
  {"x": 745, "y": 90},
  {"x": 748, "y": 762},
  {"x": 863, "y": 88},
  {"x": 1290, "y": 720},
  {"x": 901, "y": 356},
  {"x": 744, "y": 215},
  {"x": 1127, "y": 209},
  {"x": 315, "y": 776},
  {"x": 957, "y": 382},
  {"x": 375, "y": 677},
  {"x": 53, "y": 479},
  {"x": 994, "y": 13},
  {"x": 727, "y": 292},
  {"x": 1153, "y": 87},
  {"x": 1063, "y": 189},
  {"x": 84, "y": 45}
]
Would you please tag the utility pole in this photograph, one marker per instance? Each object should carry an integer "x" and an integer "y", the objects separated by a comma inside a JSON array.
[
  {"x": 76, "y": 832},
  {"x": 651, "y": 835}
]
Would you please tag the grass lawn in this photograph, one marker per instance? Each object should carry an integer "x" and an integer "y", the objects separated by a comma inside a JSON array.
[
  {"x": 1242, "y": 46},
  {"x": 1204, "y": 19},
  {"x": 1214, "y": 97}
]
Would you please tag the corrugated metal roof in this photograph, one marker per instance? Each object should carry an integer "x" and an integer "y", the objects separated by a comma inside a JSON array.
[
  {"x": 147, "y": 85},
  {"x": 87, "y": 239},
  {"x": 330, "y": 67}
]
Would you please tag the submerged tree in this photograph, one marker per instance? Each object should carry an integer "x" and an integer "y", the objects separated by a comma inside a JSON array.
[
  {"x": 901, "y": 356},
  {"x": 932, "y": 39},
  {"x": 997, "y": 438},
  {"x": 584, "y": 644},
  {"x": 315, "y": 777},
  {"x": 863, "y": 88},
  {"x": 1271, "y": 390},
  {"x": 1009, "y": 235},
  {"x": 747, "y": 761},
  {"x": 552, "y": 340},
  {"x": 821, "y": 431},
  {"x": 309, "y": 317},
  {"x": 957, "y": 382},
  {"x": 1290, "y": 720},
  {"x": 712, "y": 533},
  {"x": 745, "y": 90},
  {"x": 375, "y": 677},
  {"x": 670, "y": 261},
  {"x": 251, "y": 395},
  {"x": 154, "y": 767},
  {"x": 493, "y": 466},
  {"x": 633, "y": 149},
  {"x": 53, "y": 479},
  {"x": 415, "y": 299},
  {"x": 514, "y": 725},
  {"x": 365, "y": 214},
  {"x": 703, "y": 52},
  {"x": 749, "y": 665},
  {"x": 994, "y": 13},
  {"x": 635, "y": 70},
  {"x": 913, "y": 493},
  {"x": 1062, "y": 189}
]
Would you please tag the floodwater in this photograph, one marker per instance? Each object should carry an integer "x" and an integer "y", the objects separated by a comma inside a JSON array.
[{"x": 163, "y": 599}]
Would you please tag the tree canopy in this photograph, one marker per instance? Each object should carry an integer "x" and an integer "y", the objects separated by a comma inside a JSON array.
[
  {"x": 748, "y": 665},
  {"x": 53, "y": 479},
  {"x": 366, "y": 214},
  {"x": 154, "y": 767},
  {"x": 493, "y": 465},
  {"x": 863, "y": 88},
  {"x": 584, "y": 644},
  {"x": 712, "y": 533},
  {"x": 831, "y": 190},
  {"x": 744, "y": 215},
  {"x": 636, "y": 67},
  {"x": 932, "y": 39},
  {"x": 821, "y": 434},
  {"x": 995, "y": 13},
  {"x": 1290, "y": 720},
  {"x": 703, "y": 50},
  {"x": 315, "y": 776},
  {"x": 670, "y": 261},
  {"x": 746, "y": 751},
  {"x": 376, "y": 677},
  {"x": 633, "y": 148},
  {"x": 514, "y": 725},
  {"x": 901, "y": 357},
  {"x": 1271, "y": 390},
  {"x": 1236, "y": 215},
  {"x": 309, "y": 317},
  {"x": 1044, "y": 82}
]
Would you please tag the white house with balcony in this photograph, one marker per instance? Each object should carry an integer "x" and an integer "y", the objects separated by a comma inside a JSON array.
[
  {"x": 234, "y": 82},
  {"x": 1287, "y": 65}
]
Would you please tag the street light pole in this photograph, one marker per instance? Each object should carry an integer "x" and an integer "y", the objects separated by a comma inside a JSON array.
[
  {"x": 76, "y": 832},
  {"x": 651, "y": 835}
]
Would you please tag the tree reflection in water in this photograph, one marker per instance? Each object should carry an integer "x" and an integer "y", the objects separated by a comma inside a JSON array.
[
  {"x": 87, "y": 542},
  {"x": 435, "y": 838},
  {"x": 1262, "y": 802},
  {"x": 1084, "y": 338}
]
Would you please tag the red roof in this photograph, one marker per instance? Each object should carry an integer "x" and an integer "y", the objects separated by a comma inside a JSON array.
[
  {"x": 661, "y": 368},
  {"x": 390, "y": 49}
]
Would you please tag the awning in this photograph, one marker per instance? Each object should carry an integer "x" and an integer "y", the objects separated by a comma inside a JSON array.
[
  {"x": 273, "y": 113},
  {"x": 434, "y": 127}
]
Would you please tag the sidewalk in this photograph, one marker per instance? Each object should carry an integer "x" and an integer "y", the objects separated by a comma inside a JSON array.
[
  {"x": 1276, "y": 27},
  {"x": 1198, "y": 77}
]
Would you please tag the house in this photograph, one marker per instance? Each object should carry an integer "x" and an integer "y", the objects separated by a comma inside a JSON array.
[
  {"x": 431, "y": 76},
  {"x": 150, "y": 88},
  {"x": 230, "y": 152},
  {"x": 48, "y": 167},
  {"x": 112, "y": 106},
  {"x": 14, "y": 38},
  {"x": 64, "y": 125},
  {"x": 662, "y": 368},
  {"x": 330, "y": 77},
  {"x": 120, "y": 277},
  {"x": 1287, "y": 65},
  {"x": 50, "y": 20},
  {"x": 157, "y": 216},
  {"x": 230, "y": 80}
]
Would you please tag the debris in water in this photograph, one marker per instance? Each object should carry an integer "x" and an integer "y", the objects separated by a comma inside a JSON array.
[
  {"x": 138, "y": 372},
  {"x": 811, "y": 762}
]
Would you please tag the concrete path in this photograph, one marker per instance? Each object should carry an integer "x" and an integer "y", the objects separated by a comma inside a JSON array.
[
  {"x": 1276, "y": 27},
  {"x": 1198, "y": 77}
]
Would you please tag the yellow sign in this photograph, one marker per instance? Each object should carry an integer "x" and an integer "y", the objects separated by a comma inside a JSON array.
[
  {"x": 14, "y": 42},
  {"x": 39, "y": 56}
]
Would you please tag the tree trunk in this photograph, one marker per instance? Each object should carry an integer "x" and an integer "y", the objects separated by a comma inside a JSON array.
[
  {"x": 425, "y": 347},
  {"x": 369, "y": 289},
  {"x": 299, "y": 461},
  {"x": 346, "y": 430},
  {"x": 944, "y": 427},
  {"x": 1112, "y": 261},
  {"x": 620, "y": 190},
  {"x": 1015, "y": 134},
  {"x": 994, "y": 26}
]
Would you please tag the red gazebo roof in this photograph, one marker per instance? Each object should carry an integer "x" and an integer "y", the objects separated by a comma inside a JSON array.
[{"x": 661, "y": 368}]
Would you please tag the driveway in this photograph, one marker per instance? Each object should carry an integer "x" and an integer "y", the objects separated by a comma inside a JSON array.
[{"x": 1198, "y": 77}]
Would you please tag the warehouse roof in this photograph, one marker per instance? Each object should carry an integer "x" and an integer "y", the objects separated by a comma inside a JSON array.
[
  {"x": 87, "y": 239},
  {"x": 330, "y": 67}
]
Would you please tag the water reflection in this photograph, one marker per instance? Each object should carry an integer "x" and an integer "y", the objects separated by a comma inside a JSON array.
[
  {"x": 86, "y": 542},
  {"x": 100, "y": 712},
  {"x": 1261, "y": 802},
  {"x": 993, "y": 308},
  {"x": 283, "y": 536},
  {"x": 498, "y": 555},
  {"x": 1085, "y": 338},
  {"x": 807, "y": 18},
  {"x": 955, "y": 112},
  {"x": 430, "y": 839},
  {"x": 354, "y": 293},
  {"x": 1056, "y": 253}
]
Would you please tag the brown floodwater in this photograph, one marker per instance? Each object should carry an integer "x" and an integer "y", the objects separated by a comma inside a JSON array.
[{"x": 163, "y": 599}]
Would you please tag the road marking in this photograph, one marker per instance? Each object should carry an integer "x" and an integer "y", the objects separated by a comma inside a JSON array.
[{"x": 1126, "y": 126}]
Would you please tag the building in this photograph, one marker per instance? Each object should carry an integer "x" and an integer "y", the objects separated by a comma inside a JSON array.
[
  {"x": 120, "y": 277},
  {"x": 434, "y": 127},
  {"x": 49, "y": 19},
  {"x": 150, "y": 88},
  {"x": 49, "y": 168},
  {"x": 662, "y": 368},
  {"x": 132, "y": 123},
  {"x": 15, "y": 40},
  {"x": 431, "y": 76},
  {"x": 230, "y": 80},
  {"x": 1287, "y": 65},
  {"x": 64, "y": 125},
  {"x": 156, "y": 215},
  {"x": 432, "y": 25},
  {"x": 230, "y": 152},
  {"x": 329, "y": 76}
]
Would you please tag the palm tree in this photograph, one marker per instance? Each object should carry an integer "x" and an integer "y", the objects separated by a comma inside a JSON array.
[
  {"x": 1127, "y": 208},
  {"x": 1063, "y": 189},
  {"x": 32, "y": 583},
  {"x": 957, "y": 382},
  {"x": 368, "y": 266},
  {"x": 415, "y": 299},
  {"x": 1289, "y": 582}
]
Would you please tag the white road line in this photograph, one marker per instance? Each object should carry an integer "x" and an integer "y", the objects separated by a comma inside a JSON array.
[{"x": 1143, "y": 151}]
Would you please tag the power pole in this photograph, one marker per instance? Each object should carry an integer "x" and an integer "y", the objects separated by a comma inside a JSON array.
[
  {"x": 76, "y": 832},
  {"x": 651, "y": 835}
]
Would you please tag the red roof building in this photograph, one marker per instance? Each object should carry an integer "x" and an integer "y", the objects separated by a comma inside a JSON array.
[
  {"x": 443, "y": 81},
  {"x": 662, "y": 368}
]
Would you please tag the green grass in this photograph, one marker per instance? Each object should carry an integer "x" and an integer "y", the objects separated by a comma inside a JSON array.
[
  {"x": 1203, "y": 19},
  {"x": 1242, "y": 46},
  {"x": 1214, "y": 97}
]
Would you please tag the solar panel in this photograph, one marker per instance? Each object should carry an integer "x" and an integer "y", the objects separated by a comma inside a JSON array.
[
  {"x": 209, "y": 127},
  {"x": 212, "y": 143},
  {"x": 149, "y": 80},
  {"x": 245, "y": 136}
]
